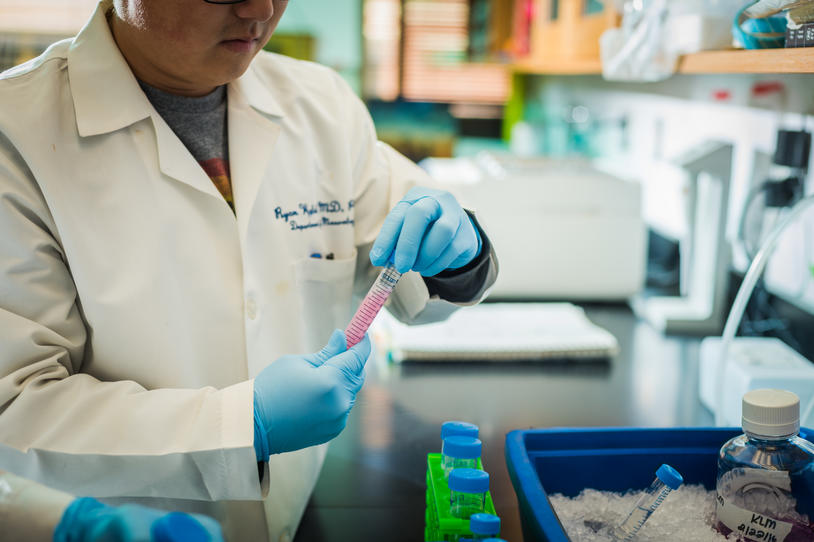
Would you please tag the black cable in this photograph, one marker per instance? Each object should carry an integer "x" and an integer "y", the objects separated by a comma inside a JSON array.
[{"x": 761, "y": 318}]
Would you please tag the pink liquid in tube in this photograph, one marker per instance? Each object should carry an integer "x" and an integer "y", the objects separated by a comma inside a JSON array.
[{"x": 372, "y": 304}]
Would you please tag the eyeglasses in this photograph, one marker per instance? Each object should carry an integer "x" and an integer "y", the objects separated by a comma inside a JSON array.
[{"x": 224, "y": 1}]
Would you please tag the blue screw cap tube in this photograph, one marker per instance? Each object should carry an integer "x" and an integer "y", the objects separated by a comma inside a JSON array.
[
  {"x": 669, "y": 476},
  {"x": 458, "y": 429},
  {"x": 667, "y": 479},
  {"x": 460, "y": 453},
  {"x": 484, "y": 526},
  {"x": 467, "y": 492}
]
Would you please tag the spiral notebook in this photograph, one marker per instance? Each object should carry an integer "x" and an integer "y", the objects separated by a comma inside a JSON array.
[{"x": 500, "y": 332}]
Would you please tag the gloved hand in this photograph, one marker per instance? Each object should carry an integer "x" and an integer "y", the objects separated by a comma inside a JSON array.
[
  {"x": 88, "y": 520},
  {"x": 429, "y": 232},
  {"x": 300, "y": 401}
]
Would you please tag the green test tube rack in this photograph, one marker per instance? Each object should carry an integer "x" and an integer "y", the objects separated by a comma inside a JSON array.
[{"x": 439, "y": 525}]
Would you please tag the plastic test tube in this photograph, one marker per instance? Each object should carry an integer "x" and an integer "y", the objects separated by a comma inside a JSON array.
[
  {"x": 460, "y": 453},
  {"x": 372, "y": 304},
  {"x": 484, "y": 526},
  {"x": 467, "y": 492},
  {"x": 667, "y": 479},
  {"x": 455, "y": 429}
]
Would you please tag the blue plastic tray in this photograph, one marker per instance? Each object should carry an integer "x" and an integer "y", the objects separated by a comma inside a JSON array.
[{"x": 566, "y": 461}]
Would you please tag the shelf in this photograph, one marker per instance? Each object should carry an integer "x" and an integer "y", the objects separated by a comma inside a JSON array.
[
  {"x": 753, "y": 61},
  {"x": 587, "y": 66}
]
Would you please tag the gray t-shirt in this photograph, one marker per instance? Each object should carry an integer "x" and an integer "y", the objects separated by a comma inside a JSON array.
[{"x": 200, "y": 124}]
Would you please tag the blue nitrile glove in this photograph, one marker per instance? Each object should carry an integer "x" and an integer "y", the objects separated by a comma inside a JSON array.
[
  {"x": 88, "y": 520},
  {"x": 429, "y": 232},
  {"x": 300, "y": 401}
]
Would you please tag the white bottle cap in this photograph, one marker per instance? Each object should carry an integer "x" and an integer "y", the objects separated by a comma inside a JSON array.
[{"x": 771, "y": 413}]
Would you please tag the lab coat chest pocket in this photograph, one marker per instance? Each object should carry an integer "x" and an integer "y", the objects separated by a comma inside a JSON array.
[{"x": 325, "y": 289}]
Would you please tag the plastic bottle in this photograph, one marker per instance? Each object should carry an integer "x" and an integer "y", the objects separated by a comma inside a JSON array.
[
  {"x": 484, "y": 526},
  {"x": 460, "y": 453},
  {"x": 765, "y": 489},
  {"x": 467, "y": 492}
]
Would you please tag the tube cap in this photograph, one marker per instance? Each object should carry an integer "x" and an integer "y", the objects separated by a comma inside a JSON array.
[
  {"x": 669, "y": 476},
  {"x": 484, "y": 524},
  {"x": 771, "y": 413},
  {"x": 469, "y": 480},
  {"x": 451, "y": 429},
  {"x": 462, "y": 447}
]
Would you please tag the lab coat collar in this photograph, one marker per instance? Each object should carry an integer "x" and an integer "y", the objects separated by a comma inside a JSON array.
[
  {"x": 257, "y": 94},
  {"x": 106, "y": 94},
  {"x": 251, "y": 139}
]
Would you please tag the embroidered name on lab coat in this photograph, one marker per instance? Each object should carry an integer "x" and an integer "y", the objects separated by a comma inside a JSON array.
[{"x": 316, "y": 215}]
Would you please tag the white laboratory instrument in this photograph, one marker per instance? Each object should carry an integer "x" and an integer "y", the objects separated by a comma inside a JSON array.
[
  {"x": 753, "y": 363},
  {"x": 561, "y": 228},
  {"x": 704, "y": 251}
]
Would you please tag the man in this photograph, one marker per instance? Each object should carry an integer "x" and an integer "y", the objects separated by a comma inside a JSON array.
[{"x": 183, "y": 219}]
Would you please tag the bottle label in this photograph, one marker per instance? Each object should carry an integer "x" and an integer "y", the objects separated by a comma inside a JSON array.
[
  {"x": 758, "y": 504},
  {"x": 752, "y": 526}
]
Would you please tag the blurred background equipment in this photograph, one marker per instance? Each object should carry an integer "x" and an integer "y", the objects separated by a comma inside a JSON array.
[
  {"x": 753, "y": 363},
  {"x": 655, "y": 33},
  {"x": 765, "y": 32},
  {"x": 565, "y": 229},
  {"x": 797, "y": 16},
  {"x": 704, "y": 271}
]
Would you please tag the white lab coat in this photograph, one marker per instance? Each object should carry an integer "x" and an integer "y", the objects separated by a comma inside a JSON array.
[{"x": 135, "y": 307}]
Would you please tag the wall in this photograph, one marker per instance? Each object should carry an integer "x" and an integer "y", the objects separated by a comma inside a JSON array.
[
  {"x": 669, "y": 118},
  {"x": 337, "y": 26}
]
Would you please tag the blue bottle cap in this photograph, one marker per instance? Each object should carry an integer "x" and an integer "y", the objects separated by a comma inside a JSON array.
[
  {"x": 462, "y": 447},
  {"x": 484, "y": 524},
  {"x": 451, "y": 429},
  {"x": 669, "y": 476},
  {"x": 469, "y": 480}
]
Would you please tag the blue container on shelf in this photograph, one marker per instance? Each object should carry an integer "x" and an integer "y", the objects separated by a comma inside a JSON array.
[
  {"x": 543, "y": 461},
  {"x": 762, "y": 33}
]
